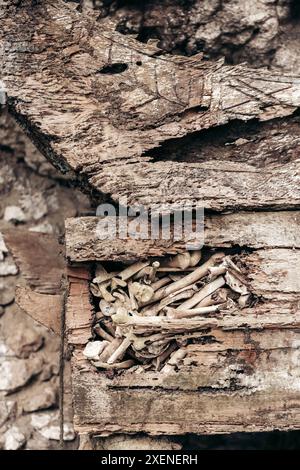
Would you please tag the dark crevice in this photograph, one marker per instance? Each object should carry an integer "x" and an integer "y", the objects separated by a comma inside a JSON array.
[
  {"x": 295, "y": 11},
  {"x": 209, "y": 390},
  {"x": 6, "y": 149},
  {"x": 113, "y": 69},
  {"x": 260, "y": 144},
  {"x": 274, "y": 440}
]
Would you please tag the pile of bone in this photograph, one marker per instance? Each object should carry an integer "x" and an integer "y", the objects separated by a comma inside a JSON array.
[{"x": 150, "y": 311}]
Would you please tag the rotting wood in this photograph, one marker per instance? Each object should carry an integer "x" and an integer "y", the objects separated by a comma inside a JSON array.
[
  {"x": 241, "y": 375},
  {"x": 85, "y": 241},
  {"x": 78, "y": 308},
  {"x": 231, "y": 393},
  {"x": 39, "y": 257},
  {"x": 73, "y": 110},
  {"x": 44, "y": 308}
]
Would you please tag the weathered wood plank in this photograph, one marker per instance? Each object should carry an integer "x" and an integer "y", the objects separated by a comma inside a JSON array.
[
  {"x": 274, "y": 270},
  {"x": 42, "y": 264},
  {"x": 44, "y": 308},
  {"x": 261, "y": 405},
  {"x": 96, "y": 102},
  {"x": 85, "y": 240},
  {"x": 39, "y": 257},
  {"x": 254, "y": 229},
  {"x": 78, "y": 308}
]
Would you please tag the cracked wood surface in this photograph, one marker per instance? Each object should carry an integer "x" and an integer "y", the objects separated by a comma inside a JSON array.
[
  {"x": 85, "y": 238},
  {"x": 40, "y": 259},
  {"x": 96, "y": 102}
]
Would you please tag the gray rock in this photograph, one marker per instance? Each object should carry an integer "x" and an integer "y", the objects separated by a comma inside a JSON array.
[
  {"x": 3, "y": 249},
  {"x": 53, "y": 432},
  {"x": 44, "y": 227},
  {"x": 7, "y": 293},
  {"x": 7, "y": 407},
  {"x": 14, "y": 439},
  {"x": 14, "y": 214},
  {"x": 34, "y": 206},
  {"x": 42, "y": 397},
  {"x": 8, "y": 268},
  {"x": 48, "y": 426},
  {"x": 15, "y": 373}
]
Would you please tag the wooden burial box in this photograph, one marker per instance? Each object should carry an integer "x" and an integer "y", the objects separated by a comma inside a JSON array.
[{"x": 242, "y": 376}]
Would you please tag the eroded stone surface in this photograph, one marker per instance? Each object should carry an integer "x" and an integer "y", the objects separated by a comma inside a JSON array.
[
  {"x": 14, "y": 439},
  {"x": 29, "y": 354}
]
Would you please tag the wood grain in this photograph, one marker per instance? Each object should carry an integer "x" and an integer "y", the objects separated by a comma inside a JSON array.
[
  {"x": 85, "y": 239},
  {"x": 97, "y": 102}
]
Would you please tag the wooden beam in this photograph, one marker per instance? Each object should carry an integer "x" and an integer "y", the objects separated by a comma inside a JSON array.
[
  {"x": 85, "y": 238},
  {"x": 96, "y": 102}
]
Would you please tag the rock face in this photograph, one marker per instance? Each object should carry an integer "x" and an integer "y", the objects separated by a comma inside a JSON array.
[
  {"x": 14, "y": 439},
  {"x": 259, "y": 32},
  {"x": 45, "y": 397},
  {"x": 29, "y": 354}
]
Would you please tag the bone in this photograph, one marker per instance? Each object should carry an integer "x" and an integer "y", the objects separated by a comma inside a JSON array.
[
  {"x": 218, "y": 297},
  {"x": 140, "y": 342},
  {"x": 102, "y": 333},
  {"x": 148, "y": 273},
  {"x": 180, "y": 261},
  {"x": 182, "y": 313},
  {"x": 116, "y": 366},
  {"x": 133, "y": 302},
  {"x": 145, "y": 272},
  {"x": 141, "y": 292},
  {"x": 191, "y": 278},
  {"x": 103, "y": 292},
  {"x": 116, "y": 283},
  {"x": 120, "y": 351},
  {"x": 161, "y": 283},
  {"x": 176, "y": 277},
  {"x": 159, "y": 360},
  {"x": 150, "y": 312},
  {"x": 235, "y": 284},
  {"x": 107, "y": 309},
  {"x": 131, "y": 270},
  {"x": 176, "y": 357},
  {"x": 216, "y": 271},
  {"x": 185, "y": 293},
  {"x": 94, "y": 348},
  {"x": 109, "y": 350},
  {"x": 109, "y": 326},
  {"x": 229, "y": 263},
  {"x": 195, "y": 257},
  {"x": 101, "y": 275},
  {"x": 143, "y": 325},
  {"x": 158, "y": 347},
  {"x": 122, "y": 300},
  {"x": 98, "y": 316},
  {"x": 244, "y": 300},
  {"x": 163, "y": 269},
  {"x": 207, "y": 290}
]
